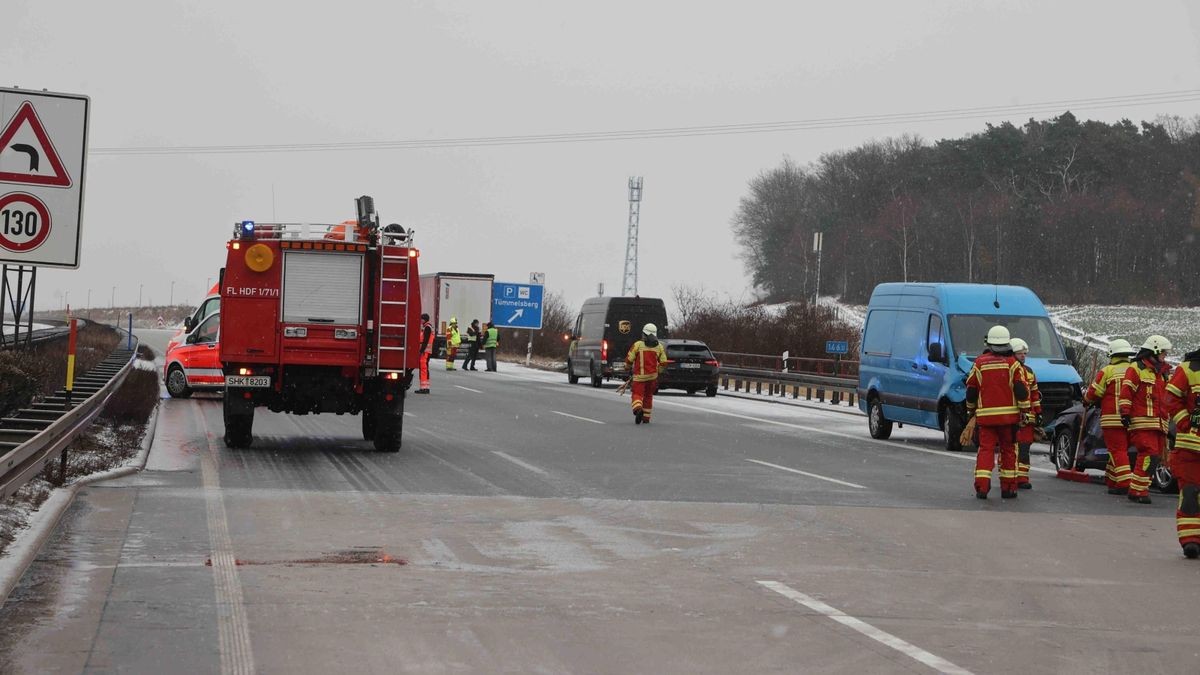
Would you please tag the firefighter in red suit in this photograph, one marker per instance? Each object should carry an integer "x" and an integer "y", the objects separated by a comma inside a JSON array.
[
  {"x": 1105, "y": 391},
  {"x": 1142, "y": 405},
  {"x": 1183, "y": 404},
  {"x": 425, "y": 352},
  {"x": 1025, "y": 435},
  {"x": 645, "y": 360},
  {"x": 998, "y": 397}
]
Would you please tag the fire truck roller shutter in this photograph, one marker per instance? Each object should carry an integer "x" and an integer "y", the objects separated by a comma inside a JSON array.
[{"x": 322, "y": 287}]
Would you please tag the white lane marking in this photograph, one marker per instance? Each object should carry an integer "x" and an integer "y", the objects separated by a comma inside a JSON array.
[
  {"x": 233, "y": 631},
  {"x": 908, "y": 649},
  {"x": 520, "y": 463},
  {"x": 585, "y": 419},
  {"x": 945, "y": 453},
  {"x": 468, "y": 389},
  {"x": 810, "y": 475}
]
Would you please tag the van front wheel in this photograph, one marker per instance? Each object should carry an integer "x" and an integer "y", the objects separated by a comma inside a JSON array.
[
  {"x": 881, "y": 428},
  {"x": 572, "y": 378},
  {"x": 597, "y": 378}
]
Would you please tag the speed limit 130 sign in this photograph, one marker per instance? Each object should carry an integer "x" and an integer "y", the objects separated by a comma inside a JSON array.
[{"x": 43, "y": 156}]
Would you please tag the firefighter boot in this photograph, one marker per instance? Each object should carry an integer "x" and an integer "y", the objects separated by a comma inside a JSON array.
[
  {"x": 637, "y": 416},
  {"x": 1010, "y": 494},
  {"x": 1191, "y": 550}
]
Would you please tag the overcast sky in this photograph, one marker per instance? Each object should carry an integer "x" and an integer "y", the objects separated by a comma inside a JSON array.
[{"x": 223, "y": 73}]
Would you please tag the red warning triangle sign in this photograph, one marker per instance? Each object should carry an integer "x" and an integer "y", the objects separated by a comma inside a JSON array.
[{"x": 37, "y": 162}]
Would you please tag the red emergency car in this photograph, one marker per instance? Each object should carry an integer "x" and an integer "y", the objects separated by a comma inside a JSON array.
[{"x": 194, "y": 363}]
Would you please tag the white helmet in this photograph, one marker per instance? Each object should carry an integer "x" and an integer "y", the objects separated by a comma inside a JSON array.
[
  {"x": 1121, "y": 347},
  {"x": 998, "y": 336},
  {"x": 1019, "y": 345},
  {"x": 650, "y": 329},
  {"x": 1156, "y": 344}
]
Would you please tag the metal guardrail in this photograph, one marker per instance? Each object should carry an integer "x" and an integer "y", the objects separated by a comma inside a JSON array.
[
  {"x": 793, "y": 364},
  {"x": 37, "y": 433},
  {"x": 777, "y": 383}
]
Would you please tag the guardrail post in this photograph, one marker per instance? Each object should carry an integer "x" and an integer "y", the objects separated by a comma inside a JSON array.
[
  {"x": 70, "y": 365},
  {"x": 62, "y": 468}
]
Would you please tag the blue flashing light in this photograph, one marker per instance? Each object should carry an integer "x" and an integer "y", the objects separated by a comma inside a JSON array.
[{"x": 247, "y": 229}]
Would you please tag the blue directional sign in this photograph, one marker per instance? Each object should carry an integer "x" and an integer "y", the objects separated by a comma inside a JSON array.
[
  {"x": 837, "y": 347},
  {"x": 517, "y": 305}
]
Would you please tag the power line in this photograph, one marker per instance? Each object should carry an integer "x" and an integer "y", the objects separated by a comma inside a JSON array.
[{"x": 1106, "y": 102}]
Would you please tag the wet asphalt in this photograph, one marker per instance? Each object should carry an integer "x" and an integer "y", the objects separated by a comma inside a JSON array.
[{"x": 528, "y": 525}]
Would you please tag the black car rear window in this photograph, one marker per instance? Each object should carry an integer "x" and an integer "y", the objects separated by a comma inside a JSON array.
[{"x": 687, "y": 350}]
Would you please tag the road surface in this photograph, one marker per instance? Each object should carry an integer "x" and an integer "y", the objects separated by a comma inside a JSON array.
[{"x": 528, "y": 525}]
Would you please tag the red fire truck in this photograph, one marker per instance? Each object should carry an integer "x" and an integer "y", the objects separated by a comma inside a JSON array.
[{"x": 320, "y": 318}]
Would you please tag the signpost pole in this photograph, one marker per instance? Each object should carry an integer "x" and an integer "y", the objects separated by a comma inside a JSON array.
[{"x": 529, "y": 350}]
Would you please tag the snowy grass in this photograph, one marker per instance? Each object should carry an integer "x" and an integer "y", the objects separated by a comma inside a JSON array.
[{"x": 1180, "y": 325}]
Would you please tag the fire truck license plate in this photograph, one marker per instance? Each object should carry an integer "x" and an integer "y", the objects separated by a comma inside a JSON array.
[{"x": 247, "y": 381}]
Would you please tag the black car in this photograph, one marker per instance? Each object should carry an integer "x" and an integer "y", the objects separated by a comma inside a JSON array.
[
  {"x": 691, "y": 366},
  {"x": 1071, "y": 449}
]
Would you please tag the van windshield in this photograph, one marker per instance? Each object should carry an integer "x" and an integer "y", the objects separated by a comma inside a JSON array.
[{"x": 969, "y": 330}]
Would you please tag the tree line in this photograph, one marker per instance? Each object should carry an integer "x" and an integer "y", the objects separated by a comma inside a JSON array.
[{"x": 1081, "y": 212}]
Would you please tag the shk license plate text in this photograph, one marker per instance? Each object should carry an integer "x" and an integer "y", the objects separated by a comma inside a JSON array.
[{"x": 257, "y": 381}]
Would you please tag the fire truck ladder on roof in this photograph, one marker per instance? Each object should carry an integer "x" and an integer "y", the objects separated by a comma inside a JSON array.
[{"x": 395, "y": 292}]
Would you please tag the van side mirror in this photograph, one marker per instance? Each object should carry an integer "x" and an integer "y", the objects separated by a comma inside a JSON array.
[
  {"x": 1071, "y": 354},
  {"x": 935, "y": 353},
  {"x": 188, "y": 324}
]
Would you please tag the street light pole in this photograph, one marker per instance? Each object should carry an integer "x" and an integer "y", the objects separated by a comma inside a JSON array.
[
  {"x": 140, "y": 294},
  {"x": 172, "y": 302},
  {"x": 112, "y": 298}
]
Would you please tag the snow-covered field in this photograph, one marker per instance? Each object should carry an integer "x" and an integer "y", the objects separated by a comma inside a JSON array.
[{"x": 1101, "y": 323}]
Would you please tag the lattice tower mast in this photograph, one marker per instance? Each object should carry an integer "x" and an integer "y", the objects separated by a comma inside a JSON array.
[{"x": 630, "y": 285}]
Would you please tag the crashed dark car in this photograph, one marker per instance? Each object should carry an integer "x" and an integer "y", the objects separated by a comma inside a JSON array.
[
  {"x": 691, "y": 366},
  {"x": 1069, "y": 449}
]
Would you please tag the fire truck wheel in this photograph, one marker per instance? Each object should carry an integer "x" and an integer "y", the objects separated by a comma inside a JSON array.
[
  {"x": 177, "y": 385},
  {"x": 239, "y": 426},
  {"x": 238, "y": 431},
  {"x": 387, "y": 431},
  {"x": 368, "y": 425}
]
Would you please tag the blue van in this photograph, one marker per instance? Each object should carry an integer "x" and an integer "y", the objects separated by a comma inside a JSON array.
[{"x": 919, "y": 342}]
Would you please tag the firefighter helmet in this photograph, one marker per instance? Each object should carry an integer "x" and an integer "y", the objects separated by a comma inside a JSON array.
[
  {"x": 650, "y": 329},
  {"x": 453, "y": 321},
  {"x": 1121, "y": 347},
  {"x": 1019, "y": 345},
  {"x": 998, "y": 336},
  {"x": 1156, "y": 344}
]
